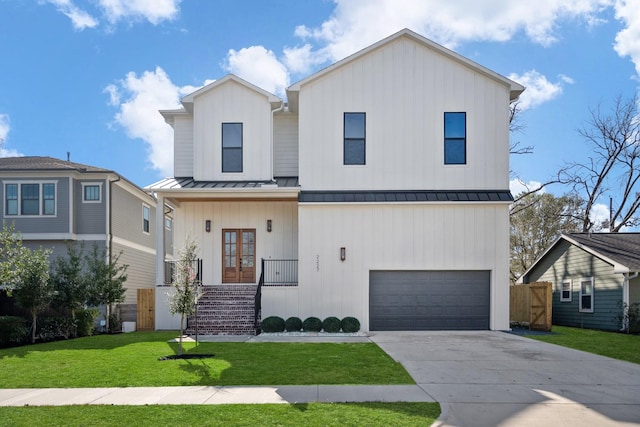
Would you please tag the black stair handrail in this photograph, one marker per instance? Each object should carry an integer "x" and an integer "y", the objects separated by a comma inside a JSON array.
[{"x": 258, "y": 299}]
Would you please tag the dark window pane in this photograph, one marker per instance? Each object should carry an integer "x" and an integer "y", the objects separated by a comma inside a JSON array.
[
  {"x": 232, "y": 135},
  {"x": 49, "y": 199},
  {"x": 232, "y": 160},
  {"x": 586, "y": 302},
  {"x": 354, "y": 125},
  {"x": 354, "y": 152},
  {"x": 30, "y": 199},
  {"x": 11, "y": 196},
  {"x": 92, "y": 193},
  {"x": 454, "y": 125},
  {"x": 454, "y": 152}
]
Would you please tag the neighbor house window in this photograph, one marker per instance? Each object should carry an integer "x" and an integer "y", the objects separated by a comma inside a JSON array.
[
  {"x": 30, "y": 198},
  {"x": 355, "y": 138},
  {"x": 586, "y": 295},
  {"x": 146, "y": 211},
  {"x": 565, "y": 292},
  {"x": 91, "y": 193},
  {"x": 232, "y": 147},
  {"x": 455, "y": 138},
  {"x": 168, "y": 223}
]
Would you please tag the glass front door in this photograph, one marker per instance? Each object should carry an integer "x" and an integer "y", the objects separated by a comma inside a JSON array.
[{"x": 239, "y": 256}]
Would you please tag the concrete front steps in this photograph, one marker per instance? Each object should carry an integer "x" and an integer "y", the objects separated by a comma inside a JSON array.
[{"x": 225, "y": 310}]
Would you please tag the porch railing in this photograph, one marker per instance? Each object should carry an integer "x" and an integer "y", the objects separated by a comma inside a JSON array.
[
  {"x": 258, "y": 301},
  {"x": 171, "y": 267},
  {"x": 280, "y": 272}
]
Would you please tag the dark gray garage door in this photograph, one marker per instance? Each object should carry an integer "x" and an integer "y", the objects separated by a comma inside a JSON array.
[{"x": 428, "y": 300}]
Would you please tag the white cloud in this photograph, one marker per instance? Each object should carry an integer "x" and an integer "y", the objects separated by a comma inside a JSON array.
[
  {"x": 138, "y": 99},
  {"x": 599, "y": 214},
  {"x": 539, "y": 89},
  {"x": 356, "y": 24},
  {"x": 259, "y": 66},
  {"x": 80, "y": 19},
  {"x": 154, "y": 11},
  {"x": 4, "y": 127},
  {"x": 628, "y": 40},
  {"x": 517, "y": 186},
  {"x": 301, "y": 59}
]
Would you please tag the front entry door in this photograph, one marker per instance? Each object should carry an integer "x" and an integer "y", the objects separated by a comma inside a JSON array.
[{"x": 239, "y": 256}]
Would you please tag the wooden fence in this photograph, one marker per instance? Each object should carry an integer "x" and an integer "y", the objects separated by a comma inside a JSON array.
[{"x": 531, "y": 304}]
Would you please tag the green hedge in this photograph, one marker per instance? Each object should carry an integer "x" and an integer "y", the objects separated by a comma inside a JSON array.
[
  {"x": 350, "y": 324},
  {"x": 293, "y": 324},
  {"x": 13, "y": 330},
  {"x": 331, "y": 324},
  {"x": 312, "y": 324},
  {"x": 273, "y": 324}
]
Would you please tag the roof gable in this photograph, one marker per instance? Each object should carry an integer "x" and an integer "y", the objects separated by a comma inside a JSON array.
[
  {"x": 515, "y": 89},
  {"x": 187, "y": 101}
]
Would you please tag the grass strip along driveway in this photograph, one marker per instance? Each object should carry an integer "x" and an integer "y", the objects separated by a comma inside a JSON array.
[
  {"x": 131, "y": 360},
  {"x": 128, "y": 360},
  {"x": 611, "y": 344}
]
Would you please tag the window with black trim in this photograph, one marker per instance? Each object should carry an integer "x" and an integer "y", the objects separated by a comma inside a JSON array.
[
  {"x": 455, "y": 138},
  {"x": 231, "y": 147},
  {"x": 565, "y": 292},
  {"x": 30, "y": 199},
  {"x": 91, "y": 192},
  {"x": 355, "y": 140},
  {"x": 146, "y": 212},
  {"x": 586, "y": 295}
]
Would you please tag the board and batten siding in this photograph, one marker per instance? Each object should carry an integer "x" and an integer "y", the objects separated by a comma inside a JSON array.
[
  {"x": 89, "y": 218},
  {"x": 232, "y": 102},
  {"x": 182, "y": 145},
  {"x": 285, "y": 144},
  {"x": 392, "y": 237},
  {"x": 566, "y": 261},
  {"x": 404, "y": 88},
  {"x": 280, "y": 243}
]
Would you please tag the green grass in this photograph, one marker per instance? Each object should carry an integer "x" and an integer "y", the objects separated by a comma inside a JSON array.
[
  {"x": 611, "y": 344},
  {"x": 308, "y": 415},
  {"x": 131, "y": 360}
]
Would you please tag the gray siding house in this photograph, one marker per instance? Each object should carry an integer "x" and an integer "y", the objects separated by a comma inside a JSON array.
[
  {"x": 52, "y": 202},
  {"x": 593, "y": 274}
]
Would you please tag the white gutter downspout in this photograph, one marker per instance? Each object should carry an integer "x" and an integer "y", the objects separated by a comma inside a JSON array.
[
  {"x": 280, "y": 108},
  {"x": 625, "y": 299}
]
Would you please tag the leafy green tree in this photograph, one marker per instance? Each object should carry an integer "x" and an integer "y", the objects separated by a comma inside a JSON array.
[
  {"x": 33, "y": 290},
  {"x": 186, "y": 291},
  {"x": 69, "y": 280},
  {"x": 105, "y": 280},
  {"x": 537, "y": 220},
  {"x": 11, "y": 249}
]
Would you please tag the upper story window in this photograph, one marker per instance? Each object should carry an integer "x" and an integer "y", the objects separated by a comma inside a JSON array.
[
  {"x": 146, "y": 212},
  {"x": 565, "y": 292},
  {"x": 355, "y": 138},
  {"x": 586, "y": 295},
  {"x": 455, "y": 138},
  {"x": 232, "y": 147},
  {"x": 30, "y": 198},
  {"x": 91, "y": 193}
]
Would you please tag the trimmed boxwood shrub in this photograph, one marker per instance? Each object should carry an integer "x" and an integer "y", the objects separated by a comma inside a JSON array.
[
  {"x": 331, "y": 324},
  {"x": 350, "y": 324},
  {"x": 293, "y": 324},
  {"x": 312, "y": 324},
  {"x": 273, "y": 324}
]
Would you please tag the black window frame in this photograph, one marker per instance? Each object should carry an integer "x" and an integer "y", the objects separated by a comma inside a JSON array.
[
  {"x": 226, "y": 150},
  {"x": 91, "y": 186},
  {"x": 350, "y": 140},
  {"x": 450, "y": 140}
]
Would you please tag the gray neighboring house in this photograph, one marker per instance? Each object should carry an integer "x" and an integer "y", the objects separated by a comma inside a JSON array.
[
  {"x": 52, "y": 202},
  {"x": 592, "y": 274}
]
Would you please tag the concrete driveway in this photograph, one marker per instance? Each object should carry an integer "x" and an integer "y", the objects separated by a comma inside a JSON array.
[{"x": 490, "y": 378}]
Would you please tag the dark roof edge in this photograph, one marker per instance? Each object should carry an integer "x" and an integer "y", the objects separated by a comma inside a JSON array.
[{"x": 404, "y": 196}]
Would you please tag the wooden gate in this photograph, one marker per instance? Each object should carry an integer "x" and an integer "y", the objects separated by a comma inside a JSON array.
[
  {"x": 146, "y": 310},
  {"x": 532, "y": 304}
]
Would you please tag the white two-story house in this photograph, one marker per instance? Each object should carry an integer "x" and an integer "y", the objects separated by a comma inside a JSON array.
[{"x": 378, "y": 189}]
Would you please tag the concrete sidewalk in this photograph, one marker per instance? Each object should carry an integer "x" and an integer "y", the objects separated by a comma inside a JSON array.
[{"x": 210, "y": 395}]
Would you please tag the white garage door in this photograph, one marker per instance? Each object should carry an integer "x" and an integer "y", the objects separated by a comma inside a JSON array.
[{"x": 429, "y": 300}]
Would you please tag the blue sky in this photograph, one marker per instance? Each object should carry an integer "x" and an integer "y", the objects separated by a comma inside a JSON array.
[{"x": 89, "y": 76}]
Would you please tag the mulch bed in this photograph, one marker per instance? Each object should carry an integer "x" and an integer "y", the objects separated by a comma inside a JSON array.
[{"x": 187, "y": 356}]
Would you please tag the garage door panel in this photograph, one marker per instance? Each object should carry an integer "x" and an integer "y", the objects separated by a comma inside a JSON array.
[{"x": 429, "y": 300}]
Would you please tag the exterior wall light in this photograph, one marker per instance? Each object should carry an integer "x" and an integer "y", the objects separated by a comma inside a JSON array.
[
  {"x": 207, "y": 225},
  {"x": 269, "y": 225},
  {"x": 343, "y": 254}
]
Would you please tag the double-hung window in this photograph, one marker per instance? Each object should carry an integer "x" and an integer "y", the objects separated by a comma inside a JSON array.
[
  {"x": 30, "y": 199},
  {"x": 231, "y": 147},
  {"x": 146, "y": 212},
  {"x": 565, "y": 291},
  {"x": 455, "y": 138},
  {"x": 355, "y": 138},
  {"x": 586, "y": 295}
]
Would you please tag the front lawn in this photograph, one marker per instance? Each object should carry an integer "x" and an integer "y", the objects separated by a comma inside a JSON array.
[
  {"x": 611, "y": 344},
  {"x": 131, "y": 360},
  {"x": 309, "y": 415}
]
